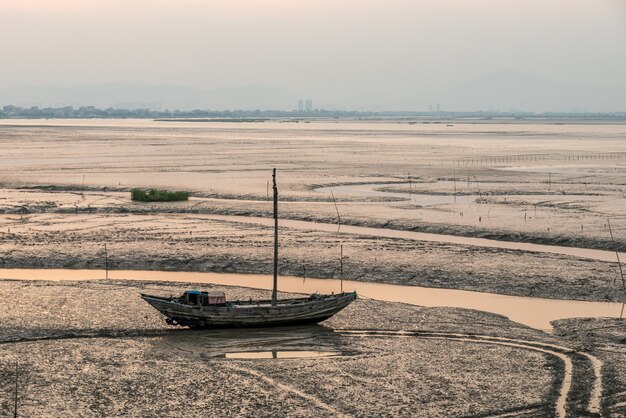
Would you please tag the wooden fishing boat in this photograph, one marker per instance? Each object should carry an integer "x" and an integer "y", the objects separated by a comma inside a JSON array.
[
  {"x": 197, "y": 309},
  {"x": 193, "y": 310}
]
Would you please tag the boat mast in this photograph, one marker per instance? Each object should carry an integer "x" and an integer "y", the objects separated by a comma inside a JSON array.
[{"x": 275, "y": 287}]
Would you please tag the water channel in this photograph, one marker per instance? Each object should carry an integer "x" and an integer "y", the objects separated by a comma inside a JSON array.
[
  {"x": 601, "y": 255},
  {"x": 534, "y": 312}
]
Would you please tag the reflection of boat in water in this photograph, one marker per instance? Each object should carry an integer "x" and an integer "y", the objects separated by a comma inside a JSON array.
[{"x": 211, "y": 310}]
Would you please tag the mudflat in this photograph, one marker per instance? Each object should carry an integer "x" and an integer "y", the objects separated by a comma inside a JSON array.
[
  {"x": 85, "y": 345},
  {"x": 93, "y": 348}
]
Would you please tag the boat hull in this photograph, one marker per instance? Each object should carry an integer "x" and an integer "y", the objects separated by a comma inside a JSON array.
[{"x": 246, "y": 314}]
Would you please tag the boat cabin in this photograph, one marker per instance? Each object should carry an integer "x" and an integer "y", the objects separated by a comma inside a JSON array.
[{"x": 196, "y": 297}]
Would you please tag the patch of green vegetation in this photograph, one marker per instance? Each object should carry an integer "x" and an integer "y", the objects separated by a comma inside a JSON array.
[{"x": 155, "y": 195}]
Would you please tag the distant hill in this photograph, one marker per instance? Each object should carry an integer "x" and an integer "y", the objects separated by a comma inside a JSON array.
[
  {"x": 157, "y": 97},
  {"x": 507, "y": 90}
]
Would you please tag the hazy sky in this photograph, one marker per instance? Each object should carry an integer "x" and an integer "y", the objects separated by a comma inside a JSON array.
[{"x": 339, "y": 51}]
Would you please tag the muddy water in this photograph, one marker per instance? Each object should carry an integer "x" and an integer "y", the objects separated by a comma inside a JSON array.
[
  {"x": 366, "y": 190},
  {"x": 274, "y": 354},
  {"x": 600, "y": 255},
  {"x": 417, "y": 199},
  {"x": 534, "y": 312}
]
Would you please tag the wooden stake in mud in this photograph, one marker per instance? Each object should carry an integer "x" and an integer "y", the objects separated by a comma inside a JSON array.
[
  {"x": 16, "y": 391},
  {"x": 341, "y": 259},
  {"x": 82, "y": 189},
  {"x": 336, "y": 208},
  {"x": 341, "y": 266},
  {"x": 478, "y": 187},
  {"x": 106, "y": 261},
  {"x": 619, "y": 263},
  {"x": 409, "y": 176},
  {"x": 275, "y": 286},
  {"x": 454, "y": 180},
  {"x": 549, "y": 181}
]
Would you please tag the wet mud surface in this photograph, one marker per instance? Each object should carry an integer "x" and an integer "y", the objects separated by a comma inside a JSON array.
[
  {"x": 537, "y": 182},
  {"x": 66, "y": 194},
  {"x": 94, "y": 348},
  {"x": 187, "y": 242}
]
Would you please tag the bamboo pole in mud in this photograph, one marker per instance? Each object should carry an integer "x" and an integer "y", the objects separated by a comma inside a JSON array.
[
  {"x": 549, "y": 181},
  {"x": 454, "y": 179},
  {"x": 275, "y": 285},
  {"x": 409, "y": 176},
  {"x": 336, "y": 208},
  {"x": 106, "y": 261},
  {"x": 341, "y": 266},
  {"x": 619, "y": 263},
  {"x": 16, "y": 388},
  {"x": 478, "y": 187}
]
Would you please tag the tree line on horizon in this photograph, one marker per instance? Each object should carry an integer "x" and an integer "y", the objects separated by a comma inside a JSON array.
[{"x": 85, "y": 112}]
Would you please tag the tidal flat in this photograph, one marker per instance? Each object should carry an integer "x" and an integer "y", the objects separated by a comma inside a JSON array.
[{"x": 94, "y": 348}]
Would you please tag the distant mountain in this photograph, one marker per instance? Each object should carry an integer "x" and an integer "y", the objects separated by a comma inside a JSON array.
[
  {"x": 509, "y": 90},
  {"x": 157, "y": 97}
]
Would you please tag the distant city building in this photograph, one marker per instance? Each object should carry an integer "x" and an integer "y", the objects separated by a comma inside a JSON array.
[
  {"x": 308, "y": 105},
  {"x": 437, "y": 107},
  {"x": 430, "y": 108},
  {"x": 300, "y": 105}
]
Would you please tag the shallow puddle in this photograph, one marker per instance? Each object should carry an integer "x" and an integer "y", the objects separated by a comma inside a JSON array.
[
  {"x": 417, "y": 199},
  {"x": 279, "y": 355}
]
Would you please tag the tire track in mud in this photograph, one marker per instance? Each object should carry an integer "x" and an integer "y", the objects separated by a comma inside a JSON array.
[
  {"x": 159, "y": 333},
  {"x": 594, "y": 404},
  {"x": 563, "y": 353},
  {"x": 595, "y": 400},
  {"x": 317, "y": 402}
]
